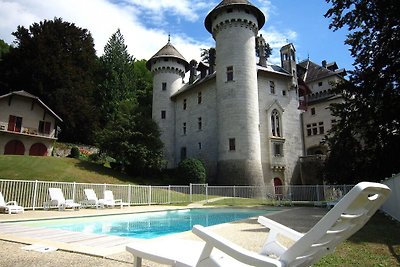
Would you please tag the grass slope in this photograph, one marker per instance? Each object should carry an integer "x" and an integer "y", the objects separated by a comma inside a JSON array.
[{"x": 58, "y": 169}]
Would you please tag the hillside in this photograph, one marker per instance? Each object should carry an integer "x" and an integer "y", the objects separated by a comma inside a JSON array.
[{"x": 59, "y": 169}]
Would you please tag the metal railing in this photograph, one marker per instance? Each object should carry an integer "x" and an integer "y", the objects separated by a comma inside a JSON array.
[{"x": 33, "y": 194}]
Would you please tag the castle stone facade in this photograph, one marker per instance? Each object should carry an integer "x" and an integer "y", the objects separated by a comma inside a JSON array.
[{"x": 239, "y": 116}]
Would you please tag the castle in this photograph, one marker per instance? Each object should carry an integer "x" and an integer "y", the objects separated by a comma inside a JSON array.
[{"x": 240, "y": 116}]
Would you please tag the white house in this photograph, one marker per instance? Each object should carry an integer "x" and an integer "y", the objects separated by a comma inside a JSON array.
[{"x": 27, "y": 125}]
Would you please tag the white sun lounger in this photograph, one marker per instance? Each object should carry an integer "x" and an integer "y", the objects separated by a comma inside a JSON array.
[
  {"x": 109, "y": 200},
  {"x": 342, "y": 221},
  {"x": 10, "y": 206},
  {"x": 91, "y": 199},
  {"x": 58, "y": 200}
]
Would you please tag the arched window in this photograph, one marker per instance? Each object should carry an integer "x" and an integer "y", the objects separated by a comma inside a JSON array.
[
  {"x": 275, "y": 123},
  {"x": 14, "y": 147}
]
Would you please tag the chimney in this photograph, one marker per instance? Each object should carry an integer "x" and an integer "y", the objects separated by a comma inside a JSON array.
[
  {"x": 324, "y": 63},
  {"x": 193, "y": 71}
]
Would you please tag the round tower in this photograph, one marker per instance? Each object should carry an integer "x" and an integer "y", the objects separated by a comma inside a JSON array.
[
  {"x": 234, "y": 25},
  {"x": 168, "y": 67}
]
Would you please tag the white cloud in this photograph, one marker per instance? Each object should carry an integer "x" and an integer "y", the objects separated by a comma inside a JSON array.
[{"x": 101, "y": 17}]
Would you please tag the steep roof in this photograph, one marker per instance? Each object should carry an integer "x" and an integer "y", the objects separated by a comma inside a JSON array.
[
  {"x": 168, "y": 51},
  {"x": 312, "y": 71},
  {"x": 230, "y": 3},
  {"x": 28, "y": 95}
]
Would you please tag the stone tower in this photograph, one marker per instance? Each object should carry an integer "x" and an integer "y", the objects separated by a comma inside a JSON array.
[
  {"x": 234, "y": 25},
  {"x": 288, "y": 62},
  {"x": 168, "y": 67}
]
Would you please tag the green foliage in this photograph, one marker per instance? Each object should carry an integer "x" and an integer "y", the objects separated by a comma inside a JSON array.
[
  {"x": 56, "y": 61},
  {"x": 132, "y": 139},
  {"x": 4, "y": 48},
  {"x": 191, "y": 171},
  {"x": 367, "y": 138},
  {"x": 75, "y": 153},
  {"x": 118, "y": 78}
]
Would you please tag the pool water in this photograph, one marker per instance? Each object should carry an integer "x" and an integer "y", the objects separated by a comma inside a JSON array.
[{"x": 150, "y": 224}]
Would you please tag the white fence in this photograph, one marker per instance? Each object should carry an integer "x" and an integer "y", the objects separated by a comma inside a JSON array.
[
  {"x": 32, "y": 194},
  {"x": 392, "y": 205}
]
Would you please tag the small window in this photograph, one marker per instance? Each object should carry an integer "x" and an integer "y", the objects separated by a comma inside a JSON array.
[
  {"x": 229, "y": 73},
  {"x": 163, "y": 114},
  {"x": 199, "y": 123},
  {"x": 314, "y": 129},
  {"x": 232, "y": 144},
  {"x": 321, "y": 127},
  {"x": 272, "y": 87},
  {"x": 229, "y": 10},
  {"x": 184, "y": 128},
  {"x": 164, "y": 86},
  {"x": 278, "y": 149},
  {"x": 184, "y": 104},
  {"x": 199, "y": 98},
  {"x": 283, "y": 92},
  {"x": 199, "y": 144},
  {"x": 183, "y": 153},
  {"x": 312, "y": 111},
  {"x": 320, "y": 84}
]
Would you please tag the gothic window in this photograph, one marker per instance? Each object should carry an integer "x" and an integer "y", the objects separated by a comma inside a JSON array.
[
  {"x": 232, "y": 144},
  {"x": 272, "y": 87},
  {"x": 229, "y": 73},
  {"x": 276, "y": 123}
]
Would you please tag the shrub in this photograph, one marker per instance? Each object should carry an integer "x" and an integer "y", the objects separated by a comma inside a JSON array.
[
  {"x": 191, "y": 171},
  {"x": 75, "y": 152}
]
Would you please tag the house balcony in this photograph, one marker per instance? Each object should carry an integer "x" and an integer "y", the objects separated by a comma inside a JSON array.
[{"x": 27, "y": 131}]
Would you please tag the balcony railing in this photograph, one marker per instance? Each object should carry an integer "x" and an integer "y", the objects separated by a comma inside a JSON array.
[{"x": 27, "y": 131}]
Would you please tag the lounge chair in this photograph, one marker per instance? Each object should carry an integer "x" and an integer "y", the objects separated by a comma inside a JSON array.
[
  {"x": 91, "y": 199},
  {"x": 342, "y": 221},
  {"x": 10, "y": 206},
  {"x": 58, "y": 200},
  {"x": 109, "y": 200}
]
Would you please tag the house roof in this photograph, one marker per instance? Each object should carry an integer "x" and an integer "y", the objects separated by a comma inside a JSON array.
[
  {"x": 230, "y": 3},
  {"x": 28, "y": 95},
  {"x": 168, "y": 51},
  {"x": 312, "y": 71}
]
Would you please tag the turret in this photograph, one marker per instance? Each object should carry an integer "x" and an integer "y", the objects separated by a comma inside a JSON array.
[
  {"x": 288, "y": 62},
  {"x": 168, "y": 67},
  {"x": 234, "y": 25}
]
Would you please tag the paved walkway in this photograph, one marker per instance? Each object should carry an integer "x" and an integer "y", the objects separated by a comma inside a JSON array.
[{"x": 245, "y": 233}]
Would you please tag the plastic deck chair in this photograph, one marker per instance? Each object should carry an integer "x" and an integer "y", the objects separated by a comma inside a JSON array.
[
  {"x": 57, "y": 199},
  {"x": 91, "y": 199},
  {"x": 342, "y": 221},
  {"x": 10, "y": 206}
]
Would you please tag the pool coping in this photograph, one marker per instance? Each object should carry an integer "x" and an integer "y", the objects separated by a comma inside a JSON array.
[{"x": 95, "y": 250}]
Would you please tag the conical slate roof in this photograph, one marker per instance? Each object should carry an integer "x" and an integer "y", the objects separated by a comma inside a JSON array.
[
  {"x": 168, "y": 51},
  {"x": 229, "y": 3}
]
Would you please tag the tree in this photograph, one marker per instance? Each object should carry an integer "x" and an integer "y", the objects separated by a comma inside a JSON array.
[
  {"x": 132, "y": 139},
  {"x": 191, "y": 171},
  {"x": 118, "y": 77},
  {"x": 56, "y": 61},
  {"x": 368, "y": 133},
  {"x": 4, "y": 48}
]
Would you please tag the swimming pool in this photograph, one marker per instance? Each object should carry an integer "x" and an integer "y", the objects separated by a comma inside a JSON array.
[{"x": 150, "y": 224}]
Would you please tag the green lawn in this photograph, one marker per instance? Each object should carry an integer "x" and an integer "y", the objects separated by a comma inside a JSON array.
[{"x": 58, "y": 169}]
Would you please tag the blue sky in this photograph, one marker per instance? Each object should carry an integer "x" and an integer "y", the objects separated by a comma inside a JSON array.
[{"x": 146, "y": 25}]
